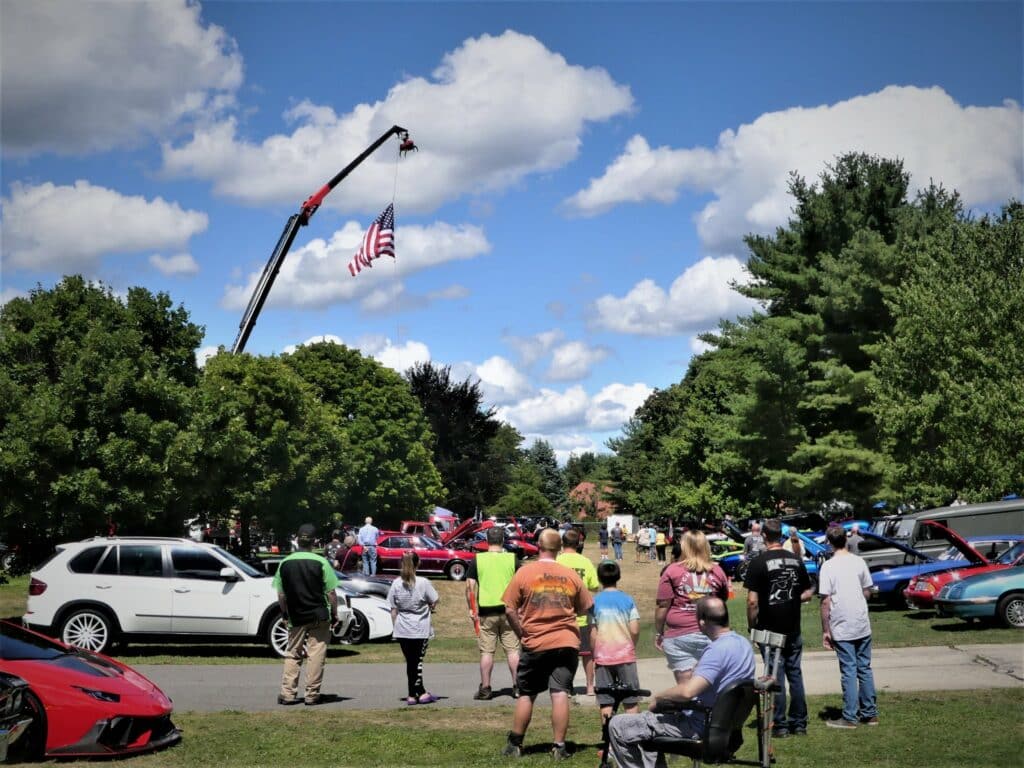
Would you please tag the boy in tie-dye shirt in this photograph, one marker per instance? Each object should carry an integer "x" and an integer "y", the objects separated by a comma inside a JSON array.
[{"x": 616, "y": 630}]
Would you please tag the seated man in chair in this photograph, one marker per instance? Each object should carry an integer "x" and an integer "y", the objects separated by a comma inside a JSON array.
[{"x": 728, "y": 660}]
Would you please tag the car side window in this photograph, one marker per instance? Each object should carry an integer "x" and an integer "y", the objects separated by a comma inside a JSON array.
[
  {"x": 397, "y": 542},
  {"x": 141, "y": 560},
  {"x": 108, "y": 566},
  {"x": 191, "y": 563},
  {"x": 86, "y": 560}
]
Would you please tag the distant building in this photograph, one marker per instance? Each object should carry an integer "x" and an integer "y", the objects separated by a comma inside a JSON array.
[{"x": 586, "y": 501}]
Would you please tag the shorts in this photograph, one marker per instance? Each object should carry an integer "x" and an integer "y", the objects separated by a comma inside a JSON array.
[
  {"x": 552, "y": 670},
  {"x": 494, "y": 628},
  {"x": 616, "y": 676},
  {"x": 683, "y": 652}
]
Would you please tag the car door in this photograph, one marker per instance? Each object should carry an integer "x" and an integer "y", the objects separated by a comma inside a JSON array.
[
  {"x": 132, "y": 583},
  {"x": 204, "y": 602},
  {"x": 432, "y": 560},
  {"x": 390, "y": 550}
]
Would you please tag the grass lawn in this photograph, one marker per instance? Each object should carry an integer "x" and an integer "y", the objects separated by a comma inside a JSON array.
[
  {"x": 982, "y": 731},
  {"x": 455, "y": 642}
]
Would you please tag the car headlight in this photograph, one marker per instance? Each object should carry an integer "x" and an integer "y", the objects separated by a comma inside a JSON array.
[{"x": 111, "y": 698}]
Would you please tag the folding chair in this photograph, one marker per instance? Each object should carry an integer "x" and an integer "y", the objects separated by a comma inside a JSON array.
[{"x": 766, "y": 686}]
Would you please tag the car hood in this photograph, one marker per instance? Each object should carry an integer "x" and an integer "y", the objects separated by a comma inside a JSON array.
[
  {"x": 83, "y": 669},
  {"x": 467, "y": 528},
  {"x": 970, "y": 554}
]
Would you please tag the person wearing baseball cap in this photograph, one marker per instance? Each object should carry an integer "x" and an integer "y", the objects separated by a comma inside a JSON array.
[{"x": 305, "y": 584}]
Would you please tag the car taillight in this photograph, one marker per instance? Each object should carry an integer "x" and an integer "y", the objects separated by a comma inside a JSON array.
[{"x": 36, "y": 587}]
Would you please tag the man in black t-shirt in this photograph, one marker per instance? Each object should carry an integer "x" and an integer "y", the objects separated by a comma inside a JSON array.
[{"x": 778, "y": 583}]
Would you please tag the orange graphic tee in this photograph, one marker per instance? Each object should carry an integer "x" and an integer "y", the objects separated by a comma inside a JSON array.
[{"x": 547, "y": 597}]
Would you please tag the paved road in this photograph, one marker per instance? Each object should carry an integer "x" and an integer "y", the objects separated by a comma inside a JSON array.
[{"x": 253, "y": 688}]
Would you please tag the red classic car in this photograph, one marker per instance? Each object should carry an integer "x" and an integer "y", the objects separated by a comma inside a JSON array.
[
  {"x": 921, "y": 591},
  {"x": 79, "y": 703},
  {"x": 435, "y": 557}
]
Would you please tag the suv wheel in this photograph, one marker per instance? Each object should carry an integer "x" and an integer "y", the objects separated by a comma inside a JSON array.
[
  {"x": 87, "y": 628},
  {"x": 277, "y": 635}
]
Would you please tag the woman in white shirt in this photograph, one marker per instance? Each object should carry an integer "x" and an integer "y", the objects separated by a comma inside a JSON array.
[{"x": 413, "y": 599}]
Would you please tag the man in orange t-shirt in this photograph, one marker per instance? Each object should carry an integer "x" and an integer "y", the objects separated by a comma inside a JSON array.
[{"x": 542, "y": 603}]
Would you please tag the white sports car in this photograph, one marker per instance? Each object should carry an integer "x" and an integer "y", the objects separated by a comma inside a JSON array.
[{"x": 371, "y": 619}]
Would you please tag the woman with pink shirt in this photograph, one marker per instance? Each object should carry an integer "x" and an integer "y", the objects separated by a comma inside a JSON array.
[{"x": 691, "y": 576}]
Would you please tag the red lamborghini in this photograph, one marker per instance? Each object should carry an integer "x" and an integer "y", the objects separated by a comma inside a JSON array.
[{"x": 82, "y": 704}]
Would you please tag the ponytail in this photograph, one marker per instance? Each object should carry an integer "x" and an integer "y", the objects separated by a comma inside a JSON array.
[{"x": 408, "y": 571}]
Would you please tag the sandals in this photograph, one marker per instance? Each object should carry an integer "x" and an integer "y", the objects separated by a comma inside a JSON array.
[
  {"x": 427, "y": 698},
  {"x": 411, "y": 700}
]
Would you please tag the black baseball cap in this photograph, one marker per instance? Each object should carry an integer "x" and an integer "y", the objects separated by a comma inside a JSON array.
[{"x": 307, "y": 531}]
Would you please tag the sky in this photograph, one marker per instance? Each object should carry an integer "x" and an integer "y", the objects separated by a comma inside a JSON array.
[{"x": 574, "y": 217}]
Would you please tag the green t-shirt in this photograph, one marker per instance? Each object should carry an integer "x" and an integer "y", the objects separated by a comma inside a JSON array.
[
  {"x": 306, "y": 579},
  {"x": 585, "y": 570}
]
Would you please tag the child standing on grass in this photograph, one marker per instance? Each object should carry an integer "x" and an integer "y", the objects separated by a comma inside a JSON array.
[{"x": 616, "y": 630}]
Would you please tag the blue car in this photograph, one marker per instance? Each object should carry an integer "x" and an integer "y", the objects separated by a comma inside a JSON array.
[
  {"x": 891, "y": 580},
  {"x": 735, "y": 566},
  {"x": 998, "y": 595}
]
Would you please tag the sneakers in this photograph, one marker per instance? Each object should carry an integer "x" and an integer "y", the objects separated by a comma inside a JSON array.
[
  {"x": 869, "y": 720},
  {"x": 483, "y": 693},
  {"x": 800, "y": 732},
  {"x": 512, "y": 749},
  {"x": 779, "y": 734},
  {"x": 560, "y": 752},
  {"x": 515, "y": 691},
  {"x": 841, "y": 723}
]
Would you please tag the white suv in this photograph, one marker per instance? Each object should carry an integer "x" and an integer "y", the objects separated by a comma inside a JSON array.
[{"x": 95, "y": 591}]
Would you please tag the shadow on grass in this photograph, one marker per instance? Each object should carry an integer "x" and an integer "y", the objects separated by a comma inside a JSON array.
[
  {"x": 830, "y": 713},
  {"x": 963, "y": 626}
]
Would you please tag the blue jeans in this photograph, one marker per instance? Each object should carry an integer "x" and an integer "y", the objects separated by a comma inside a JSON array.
[
  {"x": 858, "y": 680},
  {"x": 617, "y": 546},
  {"x": 369, "y": 560},
  {"x": 789, "y": 672}
]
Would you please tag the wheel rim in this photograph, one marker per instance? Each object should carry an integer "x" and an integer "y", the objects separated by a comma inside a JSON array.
[
  {"x": 1015, "y": 613},
  {"x": 357, "y": 629},
  {"x": 279, "y": 636},
  {"x": 458, "y": 570},
  {"x": 88, "y": 631}
]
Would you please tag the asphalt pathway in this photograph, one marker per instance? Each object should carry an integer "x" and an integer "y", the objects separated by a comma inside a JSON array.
[{"x": 254, "y": 687}]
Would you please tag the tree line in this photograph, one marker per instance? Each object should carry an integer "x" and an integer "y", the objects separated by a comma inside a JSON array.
[{"x": 883, "y": 365}]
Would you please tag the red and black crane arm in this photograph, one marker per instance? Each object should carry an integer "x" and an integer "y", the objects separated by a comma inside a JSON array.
[{"x": 291, "y": 228}]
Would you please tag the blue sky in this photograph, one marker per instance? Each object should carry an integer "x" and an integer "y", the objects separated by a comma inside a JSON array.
[{"x": 575, "y": 214}]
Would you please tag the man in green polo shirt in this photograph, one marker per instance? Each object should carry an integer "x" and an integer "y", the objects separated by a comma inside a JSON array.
[
  {"x": 571, "y": 558},
  {"x": 305, "y": 584},
  {"x": 486, "y": 580}
]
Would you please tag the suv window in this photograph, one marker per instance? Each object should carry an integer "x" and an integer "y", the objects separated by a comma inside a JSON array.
[
  {"x": 141, "y": 560},
  {"x": 86, "y": 560},
  {"x": 109, "y": 565},
  {"x": 193, "y": 563}
]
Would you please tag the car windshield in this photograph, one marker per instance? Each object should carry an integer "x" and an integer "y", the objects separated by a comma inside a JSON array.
[
  {"x": 1009, "y": 556},
  {"x": 17, "y": 644},
  {"x": 245, "y": 568},
  {"x": 952, "y": 554}
]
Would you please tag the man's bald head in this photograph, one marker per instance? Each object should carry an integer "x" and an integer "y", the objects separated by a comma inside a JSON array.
[
  {"x": 549, "y": 541},
  {"x": 712, "y": 614}
]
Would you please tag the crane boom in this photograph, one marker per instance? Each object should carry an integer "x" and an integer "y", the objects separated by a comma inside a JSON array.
[{"x": 291, "y": 228}]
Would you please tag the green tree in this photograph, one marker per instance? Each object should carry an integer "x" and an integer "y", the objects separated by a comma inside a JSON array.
[
  {"x": 94, "y": 389},
  {"x": 261, "y": 448},
  {"x": 389, "y": 462},
  {"x": 949, "y": 380},
  {"x": 464, "y": 432},
  {"x": 541, "y": 456}
]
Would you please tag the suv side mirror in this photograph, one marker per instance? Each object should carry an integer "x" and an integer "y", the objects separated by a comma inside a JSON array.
[{"x": 228, "y": 574}]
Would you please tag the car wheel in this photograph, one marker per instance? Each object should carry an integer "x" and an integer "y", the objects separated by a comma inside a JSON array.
[
  {"x": 740, "y": 574},
  {"x": 277, "y": 636},
  {"x": 31, "y": 745},
  {"x": 1011, "y": 610},
  {"x": 88, "y": 628},
  {"x": 9, "y": 561},
  {"x": 456, "y": 570},
  {"x": 359, "y": 630}
]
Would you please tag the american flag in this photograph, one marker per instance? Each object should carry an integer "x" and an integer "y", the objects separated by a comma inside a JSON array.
[{"x": 378, "y": 241}]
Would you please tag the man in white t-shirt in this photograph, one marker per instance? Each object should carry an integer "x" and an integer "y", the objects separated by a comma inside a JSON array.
[{"x": 844, "y": 585}]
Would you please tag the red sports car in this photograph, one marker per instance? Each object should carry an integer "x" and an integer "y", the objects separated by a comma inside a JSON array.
[
  {"x": 435, "y": 557},
  {"x": 921, "y": 591},
  {"x": 82, "y": 704}
]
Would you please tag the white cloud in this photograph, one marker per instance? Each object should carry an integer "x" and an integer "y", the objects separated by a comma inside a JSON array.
[
  {"x": 179, "y": 264},
  {"x": 316, "y": 275},
  {"x": 500, "y": 381},
  {"x": 93, "y": 75},
  {"x": 614, "y": 405},
  {"x": 71, "y": 227},
  {"x": 205, "y": 353},
  {"x": 978, "y": 151},
  {"x": 532, "y": 348},
  {"x": 521, "y": 110},
  {"x": 696, "y": 300},
  {"x": 572, "y": 361},
  {"x": 6, "y": 294},
  {"x": 398, "y": 357},
  {"x": 698, "y": 346},
  {"x": 566, "y": 445}
]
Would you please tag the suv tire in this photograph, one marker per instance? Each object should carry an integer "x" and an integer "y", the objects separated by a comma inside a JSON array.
[
  {"x": 88, "y": 628},
  {"x": 277, "y": 635}
]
